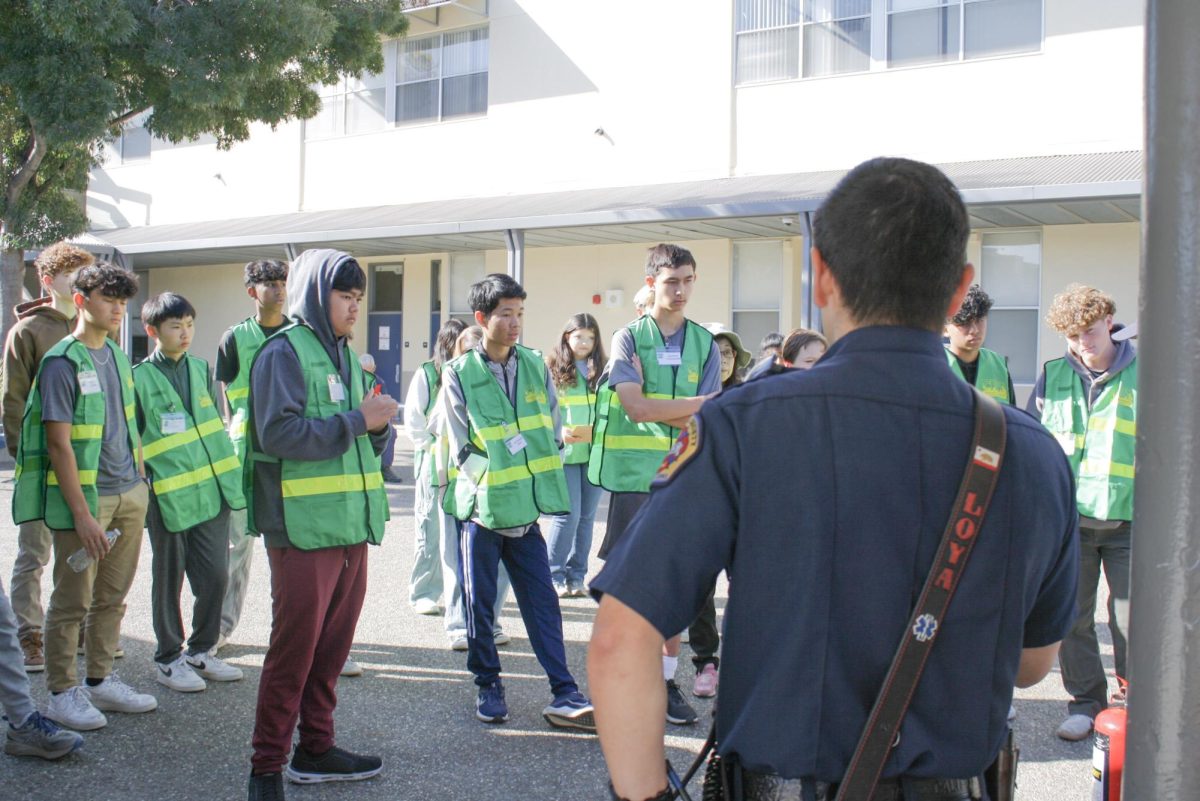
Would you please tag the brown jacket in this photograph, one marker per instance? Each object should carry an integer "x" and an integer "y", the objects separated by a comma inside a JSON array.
[{"x": 39, "y": 327}]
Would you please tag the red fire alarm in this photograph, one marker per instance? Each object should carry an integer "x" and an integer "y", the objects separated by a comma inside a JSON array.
[{"x": 596, "y": 300}]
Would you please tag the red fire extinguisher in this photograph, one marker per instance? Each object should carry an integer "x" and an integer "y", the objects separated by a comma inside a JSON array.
[{"x": 1108, "y": 754}]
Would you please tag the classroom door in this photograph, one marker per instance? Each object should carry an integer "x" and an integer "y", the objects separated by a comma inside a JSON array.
[{"x": 385, "y": 333}]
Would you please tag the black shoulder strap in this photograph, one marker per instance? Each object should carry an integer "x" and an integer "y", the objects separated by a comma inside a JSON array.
[{"x": 966, "y": 518}]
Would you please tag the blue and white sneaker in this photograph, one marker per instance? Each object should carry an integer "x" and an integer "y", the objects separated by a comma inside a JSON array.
[
  {"x": 490, "y": 706},
  {"x": 38, "y": 736},
  {"x": 571, "y": 710}
]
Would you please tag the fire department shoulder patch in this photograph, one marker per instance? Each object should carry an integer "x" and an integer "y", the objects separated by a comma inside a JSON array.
[{"x": 681, "y": 453}]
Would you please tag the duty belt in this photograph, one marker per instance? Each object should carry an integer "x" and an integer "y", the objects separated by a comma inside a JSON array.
[{"x": 772, "y": 787}]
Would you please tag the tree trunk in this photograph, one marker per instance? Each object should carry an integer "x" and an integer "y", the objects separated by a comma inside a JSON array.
[{"x": 12, "y": 283}]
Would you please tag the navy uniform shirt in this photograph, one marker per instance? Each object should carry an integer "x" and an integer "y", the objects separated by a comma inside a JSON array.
[{"x": 824, "y": 493}]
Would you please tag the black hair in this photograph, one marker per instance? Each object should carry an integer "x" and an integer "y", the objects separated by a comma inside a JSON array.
[
  {"x": 893, "y": 233},
  {"x": 111, "y": 280},
  {"x": 771, "y": 341},
  {"x": 486, "y": 295},
  {"x": 166, "y": 306},
  {"x": 561, "y": 360},
  {"x": 797, "y": 340},
  {"x": 975, "y": 306},
  {"x": 349, "y": 277},
  {"x": 661, "y": 257},
  {"x": 447, "y": 336},
  {"x": 264, "y": 270}
]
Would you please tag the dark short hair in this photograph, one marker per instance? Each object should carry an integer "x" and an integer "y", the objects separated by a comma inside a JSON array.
[
  {"x": 661, "y": 257},
  {"x": 348, "y": 277},
  {"x": 263, "y": 270},
  {"x": 975, "y": 306},
  {"x": 486, "y": 295},
  {"x": 894, "y": 235},
  {"x": 166, "y": 306},
  {"x": 770, "y": 341},
  {"x": 111, "y": 280},
  {"x": 447, "y": 336}
]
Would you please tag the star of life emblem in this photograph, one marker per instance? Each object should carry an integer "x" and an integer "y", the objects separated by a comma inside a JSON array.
[{"x": 925, "y": 627}]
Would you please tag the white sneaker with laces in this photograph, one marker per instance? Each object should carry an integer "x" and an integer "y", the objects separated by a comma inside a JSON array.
[
  {"x": 501, "y": 638},
  {"x": 213, "y": 669},
  {"x": 351, "y": 668},
  {"x": 74, "y": 710},
  {"x": 114, "y": 695},
  {"x": 179, "y": 676},
  {"x": 1075, "y": 727}
]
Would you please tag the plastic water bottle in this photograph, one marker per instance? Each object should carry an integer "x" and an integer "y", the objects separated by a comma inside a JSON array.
[{"x": 80, "y": 560}]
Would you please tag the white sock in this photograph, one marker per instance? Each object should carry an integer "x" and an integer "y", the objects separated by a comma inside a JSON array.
[{"x": 670, "y": 663}]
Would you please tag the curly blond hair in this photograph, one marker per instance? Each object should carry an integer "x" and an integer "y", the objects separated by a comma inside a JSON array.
[
  {"x": 1077, "y": 307},
  {"x": 62, "y": 258}
]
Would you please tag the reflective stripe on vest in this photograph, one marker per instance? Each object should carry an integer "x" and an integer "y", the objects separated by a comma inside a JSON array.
[
  {"x": 517, "y": 486},
  {"x": 625, "y": 455},
  {"x": 991, "y": 377},
  {"x": 200, "y": 459},
  {"x": 578, "y": 408},
  {"x": 37, "y": 495},
  {"x": 327, "y": 502},
  {"x": 1100, "y": 441},
  {"x": 248, "y": 338}
]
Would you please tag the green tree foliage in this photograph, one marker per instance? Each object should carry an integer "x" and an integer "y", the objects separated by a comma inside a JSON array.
[{"x": 73, "y": 72}]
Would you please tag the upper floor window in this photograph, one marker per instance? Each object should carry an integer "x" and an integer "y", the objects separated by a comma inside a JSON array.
[
  {"x": 786, "y": 39},
  {"x": 352, "y": 105},
  {"x": 442, "y": 76}
]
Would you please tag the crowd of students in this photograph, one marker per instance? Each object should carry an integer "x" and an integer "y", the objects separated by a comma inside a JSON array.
[{"x": 503, "y": 437}]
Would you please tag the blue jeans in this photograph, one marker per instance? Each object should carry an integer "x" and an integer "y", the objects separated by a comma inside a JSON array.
[
  {"x": 481, "y": 552},
  {"x": 14, "y": 683},
  {"x": 569, "y": 536}
]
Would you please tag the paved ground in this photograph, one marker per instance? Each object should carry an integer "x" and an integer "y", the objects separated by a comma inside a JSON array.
[{"x": 414, "y": 706}]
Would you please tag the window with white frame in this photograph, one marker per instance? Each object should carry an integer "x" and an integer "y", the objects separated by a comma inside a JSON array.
[
  {"x": 1010, "y": 271},
  {"x": 465, "y": 269},
  {"x": 134, "y": 144},
  {"x": 442, "y": 76},
  {"x": 352, "y": 105},
  {"x": 787, "y": 39},
  {"x": 757, "y": 289}
]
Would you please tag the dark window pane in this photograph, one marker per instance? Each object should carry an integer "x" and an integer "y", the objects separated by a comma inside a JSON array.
[
  {"x": 417, "y": 101},
  {"x": 465, "y": 94}
]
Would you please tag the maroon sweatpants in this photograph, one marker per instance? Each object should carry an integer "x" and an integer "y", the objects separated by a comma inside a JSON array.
[{"x": 316, "y": 597}]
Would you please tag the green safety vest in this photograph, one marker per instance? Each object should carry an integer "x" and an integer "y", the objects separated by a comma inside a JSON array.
[
  {"x": 625, "y": 455},
  {"x": 194, "y": 469},
  {"x": 37, "y": 495},
  {"x": 248, "y": 337},
  {"x": 1099, "y": 442},
  {"x": 992, "y": 377},
  {"x": 432, "y": 380},
  {"x": 515, "y": 487},
  {"x": 578, "y": 404},
  {"x": 328, "y": 502}
]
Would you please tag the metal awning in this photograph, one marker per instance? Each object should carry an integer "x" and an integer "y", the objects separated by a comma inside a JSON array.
[{"x": 1032, "y": 191}]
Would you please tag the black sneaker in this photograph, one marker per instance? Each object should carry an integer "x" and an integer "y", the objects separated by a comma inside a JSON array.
[
  {"x": 266, "y": 787},
  {"x": 679, "y": 711},
  {"x": 335, "y": 765},
  {"x": 390, "y": 476}
]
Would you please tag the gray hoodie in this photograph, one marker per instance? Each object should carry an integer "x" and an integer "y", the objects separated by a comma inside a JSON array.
[{"x": 278, "y": 394}]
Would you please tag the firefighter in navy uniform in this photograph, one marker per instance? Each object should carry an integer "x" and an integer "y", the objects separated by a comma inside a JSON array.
[{"x": 871, "y": 444}]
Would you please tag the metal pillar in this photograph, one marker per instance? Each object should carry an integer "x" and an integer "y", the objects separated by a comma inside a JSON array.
[
  {"x": 810, "y": 313},
  {"x": 514, "y": 239},
  {"x": 1164, "y": 630}
]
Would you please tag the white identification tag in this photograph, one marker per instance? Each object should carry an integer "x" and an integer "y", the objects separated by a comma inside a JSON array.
[
  {"x": 89, "y": 382},
  {"x": 172, "y": 422},
  {"x": 668, "y": 358},
  {"x": 515, "y": 444},
  {"x": 337, "y": 390}
]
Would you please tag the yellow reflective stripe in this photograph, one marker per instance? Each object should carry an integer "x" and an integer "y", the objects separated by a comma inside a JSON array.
[
  {"x": 130, "y": 411},
  {"x": 205, "y": 401},
  {"x": 326, "y": 485},
  {"x": 545, "y": 464},
  {"x": 616, "y": 399},
  {"x": 236, "y": 394},
  {"x": 1097, "y": 467},
  {"x": 172, "y": 441},
  {"x": 1097, "y": 423},
  {"x": 1126, "y": 427},
  {"x": 638, "y": 442},
  {"x": 193, "y": 477},
  {"x": 86, "y": 477},
  {"x": 533, "y": 421},
  {"x": 574, "y": 400},
  {"x": 87, "y": 432}
]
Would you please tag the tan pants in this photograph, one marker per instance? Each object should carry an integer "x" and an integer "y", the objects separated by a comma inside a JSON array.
[
  {"x": 97, "y": 593},
  {"x": 33, "y": 554}
]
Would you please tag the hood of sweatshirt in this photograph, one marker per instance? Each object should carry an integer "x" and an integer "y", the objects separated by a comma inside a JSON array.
[
  {"x": 43, "y": 306},
  {"x": 310, "y": 283}
]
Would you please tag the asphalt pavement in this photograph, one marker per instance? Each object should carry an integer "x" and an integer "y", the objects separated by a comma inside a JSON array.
[{"x": 414, "y": 706}]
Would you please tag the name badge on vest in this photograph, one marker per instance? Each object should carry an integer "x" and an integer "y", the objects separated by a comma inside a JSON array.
[
  {"x": 337, "y": 390},
  {"x": 668, "y": 357},
  {"x": 515, "y": 444},
  {"x": 172, "y": 422},
  {"x": 89, "y": 382}
]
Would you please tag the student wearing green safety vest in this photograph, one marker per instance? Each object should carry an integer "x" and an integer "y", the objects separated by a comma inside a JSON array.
[
  {"x": 576, "y": 364},
  {"x": 969, "y": 360},
  {"x": 1088, "y": 401},
  {"x": 316, "y": 496},
  {"x": 266, "y": 284},
  {"x": 78, "y": 468},
  {"x": 195, "y": 479},
  {"x": 661, "y": 369},
  {"x": 502, "y": 426}
]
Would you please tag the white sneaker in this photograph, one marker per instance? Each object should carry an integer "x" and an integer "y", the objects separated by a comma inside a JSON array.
[
  {"x": 459, "y": 643},
  {"x": 424, "y": 606},
  {"x": 114, "y": 695},
  {"x": 501, "y": 638},
  {"x": 213, "y": 669},
  {"x": 74, "y": 710},
  {"x": 222, "y": 641},
  {"x": 1012, "y": 713},
  {"x": 351, "y": 668},
  {"x": 1075, "y": 727},
  {"x": 178, "y": 675}
]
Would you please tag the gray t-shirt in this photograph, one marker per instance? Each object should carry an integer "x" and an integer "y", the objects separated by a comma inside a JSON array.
[
  {"x": 117, "y": 472},
  {"x": 620, "y": 362}
]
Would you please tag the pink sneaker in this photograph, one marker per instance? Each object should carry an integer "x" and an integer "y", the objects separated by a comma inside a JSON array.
[{"x": 705, "y": 685}]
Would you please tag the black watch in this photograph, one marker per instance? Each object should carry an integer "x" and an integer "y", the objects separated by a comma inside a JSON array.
[{"x": 666, "y": 794}]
